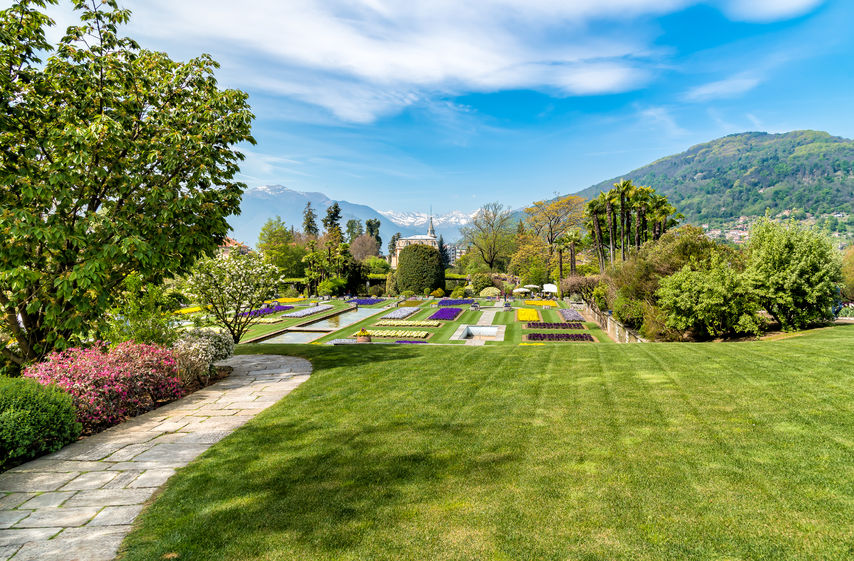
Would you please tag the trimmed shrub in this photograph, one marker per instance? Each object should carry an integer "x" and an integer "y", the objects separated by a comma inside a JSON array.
[
  {"x": 490, "y": 292},
  {"x": 628, "y": 311},
  {"x": 34, "y": 420},
  {"x": 408, "y": 293},
  {"x": 376, "y": 291},
  {"x": 109, "y": 385},
  {"x": 458, "y": 292},
  {"x": 197, "y": 350},
  {"x": 438, "y": 293},
  {"x": 331, "y": 287},
  {"x": 420, "y": 267},
  {"x": 391, "y": 284}
]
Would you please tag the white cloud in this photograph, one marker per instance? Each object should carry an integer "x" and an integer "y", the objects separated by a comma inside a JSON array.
[
  {"x": 661, "y": 118},
  {"x": 729, "y": 87},
  {"x": 364, "y": 59},
  {"x": 768, "y": 10}
]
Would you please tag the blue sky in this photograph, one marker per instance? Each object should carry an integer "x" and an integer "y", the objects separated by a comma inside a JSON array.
[{"x": 402, "y": 105}]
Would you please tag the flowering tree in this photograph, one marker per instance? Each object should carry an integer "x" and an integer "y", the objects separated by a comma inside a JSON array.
[
  {"x": 113, "y": 160},
  {"x": 232, "y": 286}
]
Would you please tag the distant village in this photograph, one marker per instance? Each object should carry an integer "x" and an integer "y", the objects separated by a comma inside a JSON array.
[{"x": 839, "y": 226}]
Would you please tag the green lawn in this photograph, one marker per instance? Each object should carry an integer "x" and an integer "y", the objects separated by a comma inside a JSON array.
[{"x": 715, "y": 451}]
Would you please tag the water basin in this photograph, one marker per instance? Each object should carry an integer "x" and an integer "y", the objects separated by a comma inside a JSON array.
[{"x": 343, "y": 320}]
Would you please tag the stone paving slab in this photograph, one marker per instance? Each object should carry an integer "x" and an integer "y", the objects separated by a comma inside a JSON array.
[{"x": 79, "y": 503}]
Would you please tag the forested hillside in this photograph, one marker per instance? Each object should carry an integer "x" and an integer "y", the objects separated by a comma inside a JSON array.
[{"x": 743, "y": 174}]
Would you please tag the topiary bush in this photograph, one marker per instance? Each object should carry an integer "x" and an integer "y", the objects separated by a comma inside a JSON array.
[
  {"x": 419, "y": 267},
  {"x": 34, "y": 420},
  {"x": 490, "y": 292},
  {"x": 458, "y": 292},
  {"x": 109, "y": 385},
  {"x": 438, "y": 293},
  {"x": 376, "y": 291}
]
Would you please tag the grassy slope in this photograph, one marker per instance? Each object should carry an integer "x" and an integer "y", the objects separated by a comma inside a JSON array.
[{"x": 643, "y": 452}]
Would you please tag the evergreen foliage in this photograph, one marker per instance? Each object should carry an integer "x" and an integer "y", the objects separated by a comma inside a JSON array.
[{"x": 419, "y": 267}]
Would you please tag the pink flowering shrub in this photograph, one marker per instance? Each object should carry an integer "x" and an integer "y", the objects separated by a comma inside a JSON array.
[{"x": 109, "y": 385}]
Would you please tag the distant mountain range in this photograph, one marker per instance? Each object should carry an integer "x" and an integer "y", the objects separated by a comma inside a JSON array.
[
  {"x": 268, "y": 201},
  {"x": 743, "y": 174},
  {"x": 737, "y": 175}
]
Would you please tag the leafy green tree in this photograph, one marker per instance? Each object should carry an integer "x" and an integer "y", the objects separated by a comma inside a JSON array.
[
  {"x": 714, "y": 301},
  {"x": 377, "y": 265},
  {"x": 372, "y": 228},
  {"x": 309, "y": 221},
  {"x": 278, "y": 245},
  {"x": 392, "y": 243},
  {"x": 490, "y": 233},
  {"x": 332, "y": 220},
  {"x": 354, "y": 229},
  {"x": 848, "y": 272},
  {"x": 113, "y": 160},
  {"x": 794, "y": 273},
  {"x": 419, "y": 267},
  {"x": 232, "y": 286},
  {"x": 444, "y": 252},
  {"x": 142, "y": 313}
]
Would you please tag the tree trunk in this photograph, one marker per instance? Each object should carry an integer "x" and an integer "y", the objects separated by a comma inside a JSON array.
[
  {"x": 597, "y": 231},
  {"x": 637, "y": 228},
  {"x": 623, "y": 234},
  {"x": 609, "y": 208},
  {"x": 560, "y": 265},
  {"x": 572, "y": 259}
]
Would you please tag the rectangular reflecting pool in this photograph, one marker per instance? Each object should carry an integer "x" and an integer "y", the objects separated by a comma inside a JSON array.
[{"x": 324, "y": 326}]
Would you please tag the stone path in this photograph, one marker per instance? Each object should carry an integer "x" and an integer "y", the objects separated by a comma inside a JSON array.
[
  {"x": 78, "y": 504},
  {"x": 486, "y": 317}
]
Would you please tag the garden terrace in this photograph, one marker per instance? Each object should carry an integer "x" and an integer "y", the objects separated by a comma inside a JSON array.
[{"x": 531, "y": 452}]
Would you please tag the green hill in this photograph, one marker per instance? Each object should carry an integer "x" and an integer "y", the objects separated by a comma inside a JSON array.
[{"x": 743, "y": 174}]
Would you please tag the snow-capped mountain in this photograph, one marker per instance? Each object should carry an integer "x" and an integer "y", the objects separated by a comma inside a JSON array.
[
  {"x": 269, "y": 201},
  {"x": 414, "y": 219}
]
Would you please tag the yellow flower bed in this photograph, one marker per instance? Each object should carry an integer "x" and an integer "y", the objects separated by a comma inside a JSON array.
[
  {"x": 394, "y": 333},
  {"x": 544, "y": 303},
  {"x": 527, "y": 314},
  {"x": 409, "y": 304},
  {"x": 408, "y": 323},
  {"x": 190, "y": 310},
  {"x": 531, "y": 344},
  {"x": 286, "y": 300}
]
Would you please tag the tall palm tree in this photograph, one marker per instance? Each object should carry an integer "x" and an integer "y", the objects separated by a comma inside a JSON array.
[
  {"x": 574, "y": 240},
  {"x": 659, "y": 211},
  {"x": 624, "y": 189},
  {"x": 608, "y": 199},
  {"x": 641, "y": 199},
  {"x": 594, "y": 211}
]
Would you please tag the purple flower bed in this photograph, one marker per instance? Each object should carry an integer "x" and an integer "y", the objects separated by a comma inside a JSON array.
[
  {"x": 446, "y": 313},
  {"x": 301, "y": 313},
  {"x": 411, "y": 342},
  {"x": 560, "y": 337},
  {"x": 452, "y": 302},
  {"x": 547, "y": 325},
  {"x": 400, "y": 313},
  {"x": 570, "y": 315},
  {"x": 365, "y": 301},
  {"x": 266, "y": 311}
]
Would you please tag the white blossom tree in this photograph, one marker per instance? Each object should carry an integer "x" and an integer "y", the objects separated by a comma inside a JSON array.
[{"x": 232, "y": 287}]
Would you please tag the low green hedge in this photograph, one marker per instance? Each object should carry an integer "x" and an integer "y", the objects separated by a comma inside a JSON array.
[{"x": 34, "y": 420}]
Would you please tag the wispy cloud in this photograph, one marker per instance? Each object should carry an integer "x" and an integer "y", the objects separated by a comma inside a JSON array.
[
  {"x": 728, "y": 87},
  {"x": 768, "y": 10},
  {"x": 662, "y": 119}
]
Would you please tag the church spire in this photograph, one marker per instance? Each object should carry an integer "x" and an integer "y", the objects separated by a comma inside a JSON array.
[{"x": 430, "y": 231}]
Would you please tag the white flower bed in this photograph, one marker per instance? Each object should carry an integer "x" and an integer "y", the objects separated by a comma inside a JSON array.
[
  {"x": 400, "y": 313},
  {"x": 308, "y": 311}
]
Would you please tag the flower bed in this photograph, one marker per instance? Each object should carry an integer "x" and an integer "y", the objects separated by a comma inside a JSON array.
[
  {"x": 559, "y": 337},
  {"x": 527, "y": 314},
  {"x": 109, "y": 385},
  {"x": 260, "y": 312},
  {"x": 396, "y": 333},
  {"x": 456, "y": 302},
  {"x": 404, "y": 342},
  {"x": 288, "y": 300},
  {"x": 409, "y": 304},
  {"x": 446, "y": 314},
  {"x": 365, "y": 301},
  {"x": 548, "y": 325},
  {"x": 400, "y": 313},
  {"x": 308, "y": 311},
  {"x": 407, "y": 323},
  {"x": 543, "y": 303},
  {"x": 570, "y": 315}
]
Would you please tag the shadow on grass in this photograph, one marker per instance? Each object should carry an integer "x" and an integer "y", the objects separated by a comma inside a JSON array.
[
  {"x": 302, "y": 488},
  {"x": 333, "y": 356}
]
